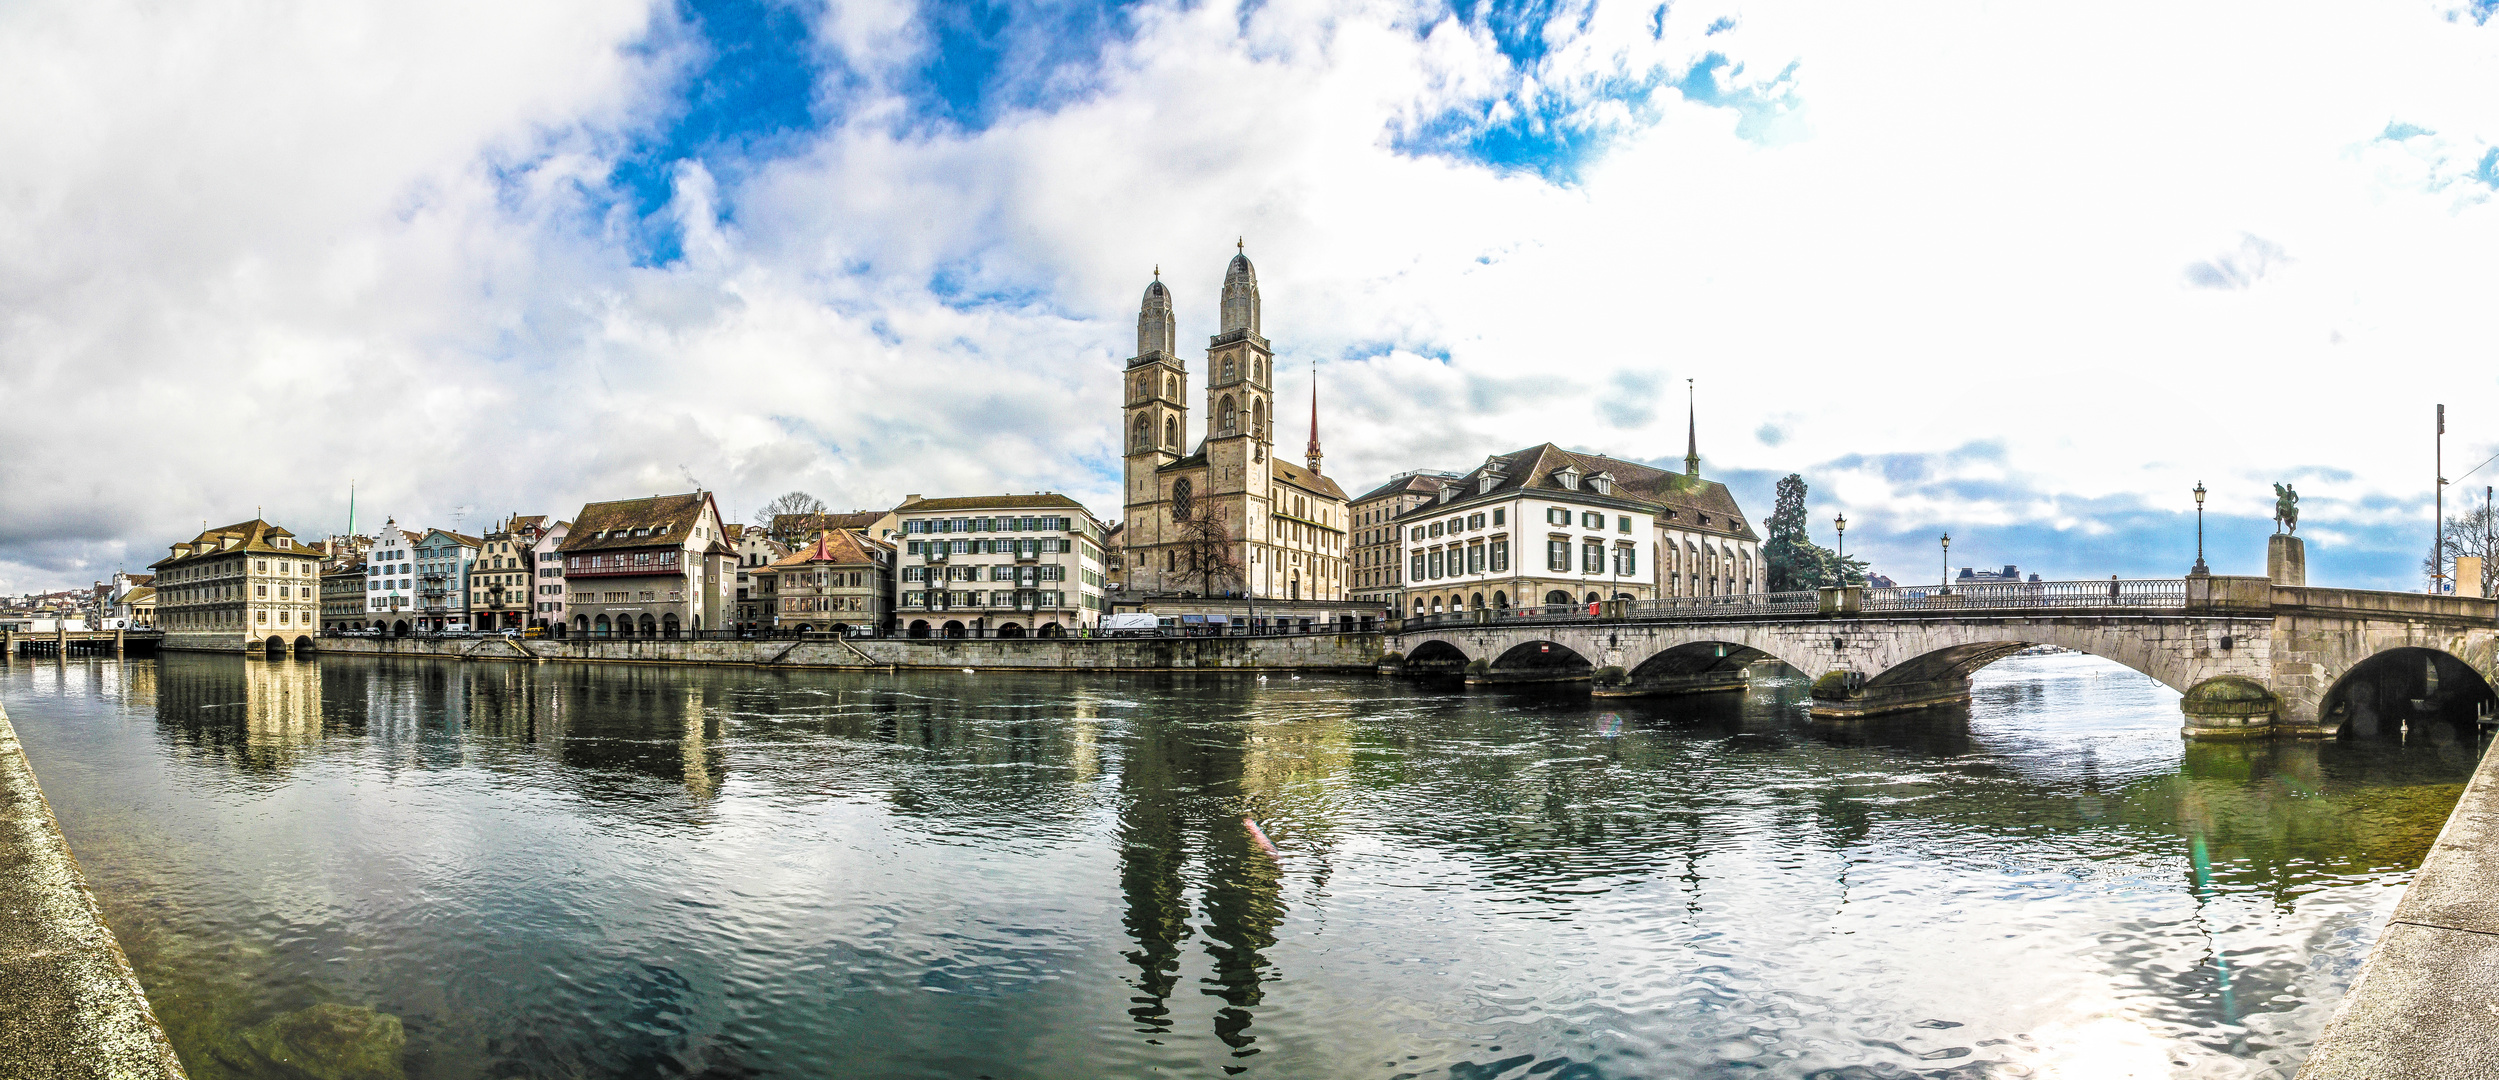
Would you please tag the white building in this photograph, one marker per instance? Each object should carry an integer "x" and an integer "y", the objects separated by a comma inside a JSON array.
[
  {"x": 547, "y": 590},
  {"x": 390, "y": 595},
  {"x": 1544, "y": 526},
  {"x": 998, "y": 566}
]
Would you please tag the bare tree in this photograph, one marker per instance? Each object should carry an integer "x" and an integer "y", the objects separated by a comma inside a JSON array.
[
  {"x": 1208, "y": 554},
  {"x": 792, "y": 515},
  {"x": 2468, "y": 533}
]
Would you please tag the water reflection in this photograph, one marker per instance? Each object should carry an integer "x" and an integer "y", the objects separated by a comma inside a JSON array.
[{"x": 575, "y": 870}]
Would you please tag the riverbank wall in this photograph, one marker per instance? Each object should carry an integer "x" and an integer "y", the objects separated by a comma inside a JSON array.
[
  {"x": 1299, "y": 652},
  {"x": 70, "y": 1006},
  {"x": 2426, "y": 1004}
]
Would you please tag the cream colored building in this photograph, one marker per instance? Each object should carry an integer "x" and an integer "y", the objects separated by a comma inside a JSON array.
[
  {"x": 1373, "y": 556},
  {"x": 1285, "y": 525},
  {"x": 843, "y": 583},
  {"x": 499, "y": 582},
  {"x": 998, "y": 566},
  {"x": 655, "y": 567},
  {"x": 247, "y": 586}
]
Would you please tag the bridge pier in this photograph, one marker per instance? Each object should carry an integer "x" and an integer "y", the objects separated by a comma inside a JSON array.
[
  {"x": 1841, "y": 696},
  {"x": 1705, "y": 682}
]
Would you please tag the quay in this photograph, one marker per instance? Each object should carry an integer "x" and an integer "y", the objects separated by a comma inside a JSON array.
[
  {"x": 1348, "y": 652},
  {"x": 73, "y": 1007},
  {"x": 2426, "y": 1004}
]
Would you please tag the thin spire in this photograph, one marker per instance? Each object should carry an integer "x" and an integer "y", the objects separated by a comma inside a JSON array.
[
  {"x": 1692, "y": 432},
  {"x": 1312, "y": 454},
  {"x": 1240, "y": 244}
]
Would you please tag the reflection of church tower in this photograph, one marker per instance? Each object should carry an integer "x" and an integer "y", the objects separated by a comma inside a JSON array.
[{"x": 1169, "y": 812}]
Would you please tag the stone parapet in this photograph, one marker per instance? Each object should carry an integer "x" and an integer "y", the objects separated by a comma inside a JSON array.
[{"x": 70, "y": 1006}]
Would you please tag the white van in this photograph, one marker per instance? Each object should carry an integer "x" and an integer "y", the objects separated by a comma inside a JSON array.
[{"x": 1132, "y": 624}]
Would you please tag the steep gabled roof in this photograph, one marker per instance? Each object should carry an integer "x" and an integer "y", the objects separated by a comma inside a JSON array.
[
  {"x": 255, "y": 536},
  {"x": 1305, "y": 479},
  {"x": 666, "y": 521},
  {"x": 1682, "y": 501},
  {"x": 1416, "y": 483},
  {"x": 837, "y": 547}
]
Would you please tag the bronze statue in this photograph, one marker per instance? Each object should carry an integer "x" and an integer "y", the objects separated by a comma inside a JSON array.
[{"x": 2285, "y": 508}]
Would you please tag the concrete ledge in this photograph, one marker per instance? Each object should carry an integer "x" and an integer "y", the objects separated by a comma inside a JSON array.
[
  {"x": 69, "y": 1004},
  {"x": 2427, "y": 1003}
]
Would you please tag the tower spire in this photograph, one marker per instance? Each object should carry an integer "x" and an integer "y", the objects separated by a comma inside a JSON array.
[
  {"x": 1692, "y": 431},
  {"x": 1311, "y": 454}
]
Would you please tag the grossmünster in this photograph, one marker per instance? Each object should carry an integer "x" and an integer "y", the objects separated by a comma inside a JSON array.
[{"x": 1280, "y": 527}]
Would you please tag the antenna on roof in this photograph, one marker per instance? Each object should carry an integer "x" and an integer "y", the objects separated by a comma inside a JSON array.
[{"x": 459, "y": 516}]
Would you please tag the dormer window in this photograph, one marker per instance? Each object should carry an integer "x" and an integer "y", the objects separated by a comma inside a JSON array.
[
  {"x": 1705, "y": 519},
  {"x": 1568, "y": 477},
  {"x": 1484, "y": 483},
  {"x": 283, "y": 542},
  {"x": 1602, "y": 483},
  {"x": 1448, "y": 492}
]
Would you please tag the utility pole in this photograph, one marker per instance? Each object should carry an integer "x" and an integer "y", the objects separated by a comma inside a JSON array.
[{"x": 2438, "y": 533}]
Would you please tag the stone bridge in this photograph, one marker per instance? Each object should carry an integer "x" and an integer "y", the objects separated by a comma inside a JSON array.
[{"x": 2250, "y": 657}]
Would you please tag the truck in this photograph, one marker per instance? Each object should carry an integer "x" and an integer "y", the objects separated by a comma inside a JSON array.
[{"x": 1132, "y": 624}]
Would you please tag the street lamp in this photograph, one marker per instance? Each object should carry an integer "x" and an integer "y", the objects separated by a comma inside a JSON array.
[
  {"x": 1841, "y": 523},
  {"x": 2200, "y": 569},
  {"x": 1946, "y": 587}
]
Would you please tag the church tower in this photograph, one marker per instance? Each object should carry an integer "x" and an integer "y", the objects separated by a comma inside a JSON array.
[
  {"x": 1154, "y": 418},
  {"x": 1240, "y": 402}
]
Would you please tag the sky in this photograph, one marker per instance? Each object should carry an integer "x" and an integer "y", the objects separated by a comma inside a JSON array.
[{"x": 2023, "y": 273}]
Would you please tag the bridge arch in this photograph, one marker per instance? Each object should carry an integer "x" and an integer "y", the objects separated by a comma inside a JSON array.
[
  {"x": 1436, "y": 657},
  {"x": 1539, "y": 660},
  {"x": 2415, "y": 688}
]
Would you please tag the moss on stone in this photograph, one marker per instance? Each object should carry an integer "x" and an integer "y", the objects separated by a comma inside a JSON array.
[
  {"x": 2229, "y": 696},
  {"x": 1479, "y": 667}
]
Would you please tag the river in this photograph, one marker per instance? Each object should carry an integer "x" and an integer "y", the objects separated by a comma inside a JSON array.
[{"x": 569, "y": 870}]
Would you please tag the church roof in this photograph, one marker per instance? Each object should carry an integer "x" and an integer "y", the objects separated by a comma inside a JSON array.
[
  {"x": 1283, "y": 470},
  {"x": 1682, "y": 501}
]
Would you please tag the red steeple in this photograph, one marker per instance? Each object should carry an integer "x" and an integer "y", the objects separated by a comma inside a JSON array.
[{"x": 1311, "y": 453}]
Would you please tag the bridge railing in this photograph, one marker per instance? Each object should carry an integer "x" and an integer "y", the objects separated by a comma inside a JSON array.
[
  {"x": 2156, "y": 593},
  {"x": 1695, "y": 607}
]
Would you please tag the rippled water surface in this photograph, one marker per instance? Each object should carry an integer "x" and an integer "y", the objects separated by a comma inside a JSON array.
[{"x": 574, "y": 870}]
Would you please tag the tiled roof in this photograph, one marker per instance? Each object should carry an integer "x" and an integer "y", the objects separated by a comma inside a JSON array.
[
  {"x": 1305, "y": 479},
  {"x": 458, "y": 538},
  {"x": 839, "y": 547},
  {"x": 138, "y": 595},
  {"x": 1051, "y": 500},
  {"x": 1680, "y": 500},
  {"x": 670, "y": 520},
  {"x": 1421, "y": 483},
  {"x": 253, "y": 536}
]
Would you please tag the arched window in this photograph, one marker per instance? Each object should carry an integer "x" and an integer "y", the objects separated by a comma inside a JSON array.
[
  {"x": 1557, "y": 598},
  {"x": 1171, "y": 386},
  {"x": 1227, "y": 369},
  {"x": 1258, "y": 418},
  {"x": 1145, "y": 433},
  {"x": 1171, "y": 431},
  {"x": 1225, "y": 416}
]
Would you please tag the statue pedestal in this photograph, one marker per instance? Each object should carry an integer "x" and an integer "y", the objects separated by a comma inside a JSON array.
[{"x": 2286, "y": 560}]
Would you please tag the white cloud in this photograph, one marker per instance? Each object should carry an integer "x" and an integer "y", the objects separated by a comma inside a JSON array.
[{"x": 245, "y": 258}]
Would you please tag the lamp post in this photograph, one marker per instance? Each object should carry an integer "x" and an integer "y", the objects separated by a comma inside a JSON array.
[
  {"x": 1945, "y": 587},
  {"x": 2200, "y": 569},
  {"x": 1841, "y": 523}
]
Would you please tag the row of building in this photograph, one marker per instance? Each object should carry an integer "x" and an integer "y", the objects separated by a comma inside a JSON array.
[{"x": 1212, "y": 524}]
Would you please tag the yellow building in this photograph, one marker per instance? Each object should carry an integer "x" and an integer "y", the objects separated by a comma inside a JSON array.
[{"x": 247, "y": 586}]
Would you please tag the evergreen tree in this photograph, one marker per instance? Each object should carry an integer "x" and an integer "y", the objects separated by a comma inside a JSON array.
[{"x": 1793, "y": 561}]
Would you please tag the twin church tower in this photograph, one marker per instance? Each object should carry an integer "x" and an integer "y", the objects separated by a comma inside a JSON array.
[{"x": 1283, "y": 525}]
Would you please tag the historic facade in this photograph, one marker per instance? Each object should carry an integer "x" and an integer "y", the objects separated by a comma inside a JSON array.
[
  {"x": 390, "y": 597},
  {"x": 1377, "y": 570},
  {"x": 998, "y": 566},
  {"x": 1225, "y": 516},
  {"x": 1545, "y": 526},
  {"x": 655, "y": 567},
  {"x": 243, "y": 586},
  {"x": 842, "y": 583}
]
